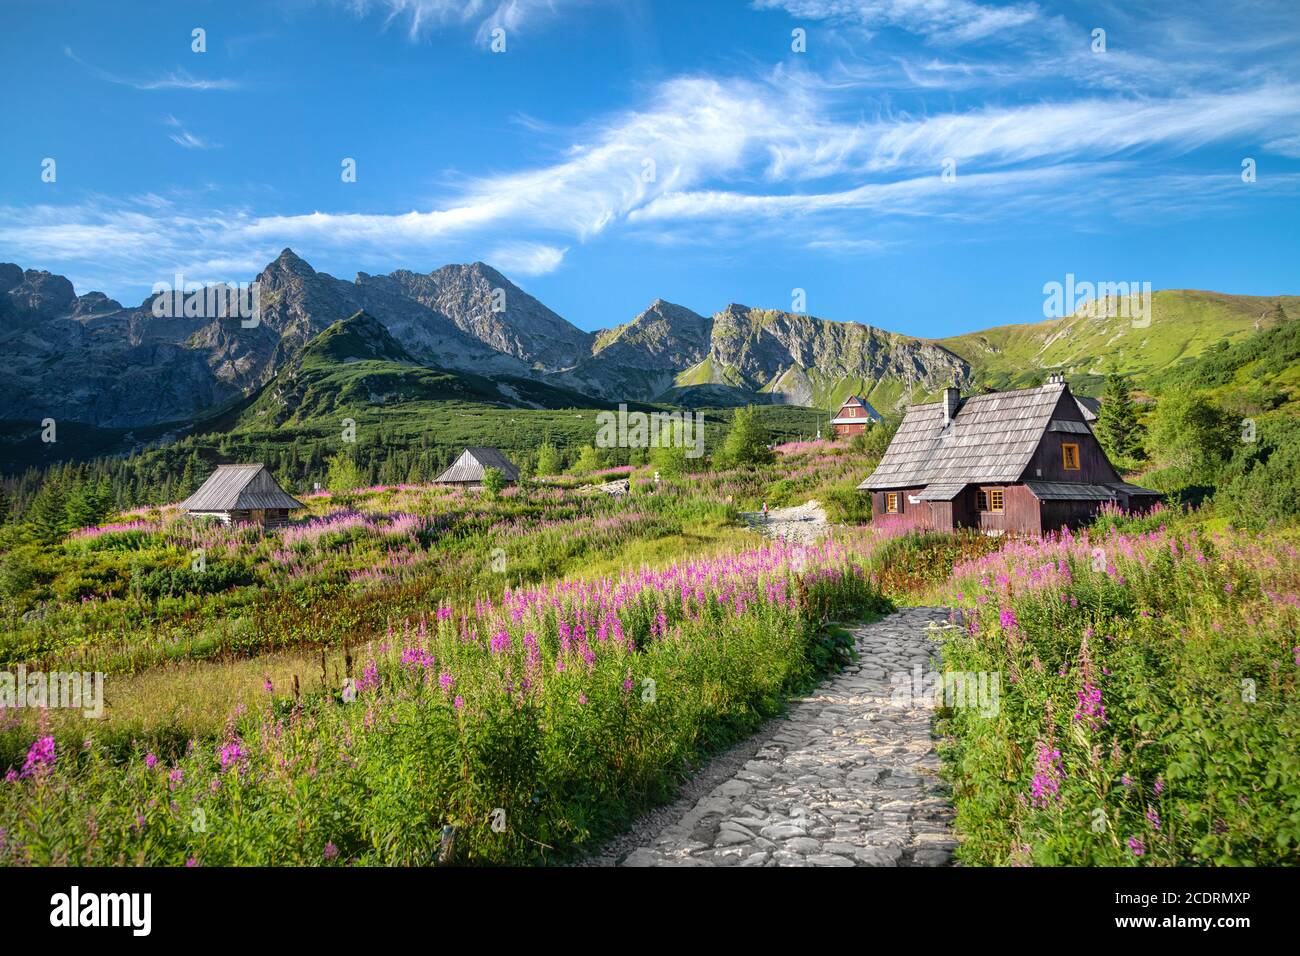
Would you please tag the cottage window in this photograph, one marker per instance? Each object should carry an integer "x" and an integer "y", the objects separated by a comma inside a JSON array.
[
  {"x": 989, "y": 500},
  {"x": 891, "y": 502},
  {"x": 1070, "y": 456}
]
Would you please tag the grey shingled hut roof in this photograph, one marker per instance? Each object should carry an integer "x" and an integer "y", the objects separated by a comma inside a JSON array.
[
  {"x": 469, "y": 467},
  {"x": 991, "y": 438},
  {"x": 1091, "y": 407},
  {"x": 240, "y": 488}
]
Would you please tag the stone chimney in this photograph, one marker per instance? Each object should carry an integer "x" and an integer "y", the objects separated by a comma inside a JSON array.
[{"x": 951, "y": 398}]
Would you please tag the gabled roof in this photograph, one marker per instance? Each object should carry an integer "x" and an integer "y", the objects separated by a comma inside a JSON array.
[
  {"x": 239, "y": 488},
  {"x": 992, "y": 437},
  {"x": 861, "y": 403},
  {"x": 1091, "y": 407},
  {"x": 469, "y": 467}
]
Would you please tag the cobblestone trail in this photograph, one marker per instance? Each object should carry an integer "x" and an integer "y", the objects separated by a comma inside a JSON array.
[
  {"x": 849, "y": 778},
  {"x": 801, "y": 524}
]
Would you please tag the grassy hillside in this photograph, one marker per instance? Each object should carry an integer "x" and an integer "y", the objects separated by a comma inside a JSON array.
[{"x": 1184, "y": 323}]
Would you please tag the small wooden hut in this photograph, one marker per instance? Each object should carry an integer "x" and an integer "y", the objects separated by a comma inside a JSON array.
[
  {"x": 467, "y": 470},
  {"x": 242, "y": 493},
  {"x": 854, "y": 416},
  {"x": 1024, "y": 461}
]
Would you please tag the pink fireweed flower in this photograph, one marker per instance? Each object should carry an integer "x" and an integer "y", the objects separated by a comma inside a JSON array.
[
  {"x": 1090, "y": 707},
  {"x": 150, "y": 761},
  {"x": 331, "y": 851},
  {"x": 1007, "y": 618},
  {"x": 40, "y": 757},
  {"x": 231, "y": 753},
  {"x": 582, "y": 698},
  {"x": 500, "y": 642},
  {"x": 1153, "y": 818},
  {"x": 1136, "y": 846},
  {"x": 446, "y": 681},
  {"x": 459, "y": 702},
  {"x": 1047, "y": 779},
  {"x": 369, "y": 677},
  {"x": 414, "y": 658}
]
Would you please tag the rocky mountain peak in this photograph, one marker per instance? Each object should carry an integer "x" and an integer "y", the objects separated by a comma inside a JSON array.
[{"x": 10, "y": 276}]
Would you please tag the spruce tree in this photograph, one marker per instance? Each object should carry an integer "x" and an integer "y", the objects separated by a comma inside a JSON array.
[
  {"x": 47, "y": 516},
  {"x": 1117, "y": 425}
]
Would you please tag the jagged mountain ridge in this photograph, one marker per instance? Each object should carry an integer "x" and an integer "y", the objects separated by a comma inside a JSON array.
[{"x": 88, "y": 359}]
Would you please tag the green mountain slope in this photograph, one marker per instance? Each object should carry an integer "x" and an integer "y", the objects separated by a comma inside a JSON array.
[
  {"x": 1183, "y": 324},
  {"x": 356, "y": 369}
]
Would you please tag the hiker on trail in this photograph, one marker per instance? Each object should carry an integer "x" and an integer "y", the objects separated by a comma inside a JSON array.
[{"x": 764, "y": 511}]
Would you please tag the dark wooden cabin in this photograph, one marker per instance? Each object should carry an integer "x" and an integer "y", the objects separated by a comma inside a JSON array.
[{"x": 1023, "y": 461}]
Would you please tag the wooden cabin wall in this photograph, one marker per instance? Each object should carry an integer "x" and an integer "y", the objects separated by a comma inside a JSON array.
[
  {"x": 1020, "y": 514},
  {"x": 917, "y": 514},
  {"x": 1069, "y": 514},
  {"x": 1048, "y": 465}
]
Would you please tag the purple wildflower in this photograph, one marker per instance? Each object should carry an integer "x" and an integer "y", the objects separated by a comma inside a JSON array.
[
  {"x": 1047, "y": 779},
  {"x": 231, "y": 752},
  {"x": 40, "y": 756}
]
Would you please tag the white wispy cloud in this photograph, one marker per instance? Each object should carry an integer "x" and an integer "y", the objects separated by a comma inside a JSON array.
[
  {"x": 422, "y": 17},
  {"x": 177, "y": 79},
  {"x": 940, "y": 21},
  {"x": 186, "y": 139},
  {"x": 526, "y": 258}
]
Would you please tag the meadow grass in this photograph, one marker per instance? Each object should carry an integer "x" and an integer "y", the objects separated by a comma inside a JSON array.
[{"x": 532, "y": 726}]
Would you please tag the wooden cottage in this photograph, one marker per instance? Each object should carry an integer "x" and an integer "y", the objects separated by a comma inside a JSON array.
[
  {"x": 854, "y": 417},
  {"x": 467, "y": 470},
  {"x": 242, "y": 493},
  {"x": 1023, "y": 461}
]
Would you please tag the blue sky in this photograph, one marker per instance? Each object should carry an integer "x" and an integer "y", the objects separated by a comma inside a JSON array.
[{"x": 616, "y": 152}]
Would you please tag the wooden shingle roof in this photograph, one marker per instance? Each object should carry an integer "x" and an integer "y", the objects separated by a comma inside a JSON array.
[
  {"x": 991, "y": 438},
  {"x": 239, "y": 488},
  {"x": 1091, "y": 407},
  {"x": 469, "y": 467}
]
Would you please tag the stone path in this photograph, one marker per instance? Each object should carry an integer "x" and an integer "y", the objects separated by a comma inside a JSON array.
[
  {"x": 801, "y": 524},
  {"x": 848, "y": 778}
]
